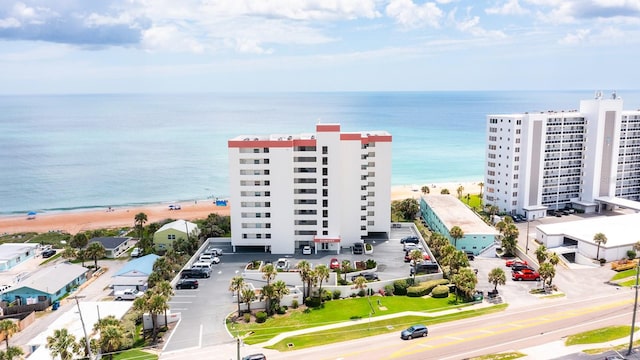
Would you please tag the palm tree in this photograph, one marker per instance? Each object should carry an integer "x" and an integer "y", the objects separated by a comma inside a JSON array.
[
  {"x": 158, "y": 304},
  {"x": 247, "y": 297},
  {"x": 547, "y": 272},
  {"x": 360, "y": 283},
  {"x": 111, "y": 339},
  {"x": 280, "y": 289},
  {"x": 269, "y": 273},
  {"x": 599, "y": 238},
  {"x": 465, "y": 281},
  {"x": 541, "y": 254},
  {"x": 11, "y": 352},
  {"x": 305, "y": 270},
  {"x": 164, "y": 288},
  {"x": 554, "y": 259},
  {"x": 481, "y": 185},
  {"x": 459, "y": 190},
  {"x": 237, "y": 285},
  {"x": 139, "y": 219},
  {"x": 425, "y": 189},
  {"x": 416, "y": 258},
  {"x": 345, "y": 266},
  {"x": 456, "y": 233},
  {"x": 268, "y": 293},
  {"x": 444, "y": 191},
  {"x": 62, "y": 344},
  {"x": 497, "y": 277},
  {"x": 69, "y": 252},
  {"x": 79, "y": 240},
  {"x": 8, "y": 327},
  {"x": 457, "y": 261},
  {"x": 163, "y": 267},
  {"x": 322, "y": 272},
  {"x": 95, "y": 251}
]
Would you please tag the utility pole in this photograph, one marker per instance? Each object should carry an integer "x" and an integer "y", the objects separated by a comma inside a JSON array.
[
  {"x": 635, "y": 309},
  {"x": 86, "y": 338}
]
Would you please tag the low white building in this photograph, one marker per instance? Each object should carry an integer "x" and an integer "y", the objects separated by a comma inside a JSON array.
[
  {"x": 574, "y": 239},
  {"x": 12, "y": 254}
]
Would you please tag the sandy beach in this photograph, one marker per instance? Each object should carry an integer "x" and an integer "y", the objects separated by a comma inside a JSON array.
[{"x": 77, "y": 221}]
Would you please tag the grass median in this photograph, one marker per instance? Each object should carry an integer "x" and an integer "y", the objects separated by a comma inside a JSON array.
[{"x": 346, "y": 310}]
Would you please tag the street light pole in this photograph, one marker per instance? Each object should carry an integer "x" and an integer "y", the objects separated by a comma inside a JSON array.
[{"x": 635, "y": 309}]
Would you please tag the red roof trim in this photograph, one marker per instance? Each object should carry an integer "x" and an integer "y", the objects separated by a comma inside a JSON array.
[
  {"x": 350, "y": 137},
  {"x": 327, "y": 128},
  {"x": 260, "y": 143}
]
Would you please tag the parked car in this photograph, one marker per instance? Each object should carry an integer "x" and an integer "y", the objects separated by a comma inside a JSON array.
[
  {"x": 195, "y": 274},
  {"x": 512, "y": 262},
  {"x": 187, "y": 284},
  {"x": 407, "y": 256},
  {"x": 255, "y": 357},
  {"x": 426, "y": 267},
  {"x": 414, "y": 332},
  {"x": 214, "y": 251},
  {"x": 48, "y": 253},
  {"x": 282, "y": 264},
  {"x": 306, "y": 250},
  {"x": 136, "y": 252},
  {"x": 127, "y": 294},
  {"x": 410, "y": 239},
  {"x": 519, "y": 267},
  {"x": 525, "y": 274},
  {"x": 411, "y": 246},
  {"x": 334, "y": 264},
  {"x": 358, "y": 248},
  {"x": 369, "y": 276}
]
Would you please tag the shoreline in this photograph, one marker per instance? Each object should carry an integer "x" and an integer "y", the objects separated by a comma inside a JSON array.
[{"x": 78, "y": 220}]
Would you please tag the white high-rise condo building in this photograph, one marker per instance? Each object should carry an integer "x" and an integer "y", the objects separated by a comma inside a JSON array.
[
  {"x": 586, "y": 159},
  {"x": 327, "y": 189}
]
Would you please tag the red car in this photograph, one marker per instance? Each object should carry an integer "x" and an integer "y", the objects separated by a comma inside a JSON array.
[
  {"x": 512, "y": 262},
  {"x": 334, "y": 264},
  {"x": 525, "y": 274}
]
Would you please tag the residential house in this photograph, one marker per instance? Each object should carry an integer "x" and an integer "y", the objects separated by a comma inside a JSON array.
[
  {"x": 12, "y": 254},
  {"x": 165, "y": 236},
  {"x": 114, "y": 246},
  {"x": 134, "y": 274},
  {"x": 50, "y": 283}
]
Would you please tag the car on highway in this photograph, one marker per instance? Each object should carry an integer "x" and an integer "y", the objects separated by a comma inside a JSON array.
[
  {"x": 511, "y": 262},
  {"x": 334, "y": 264},
  {"x": 187, "y": 284},
  {"x": 525, "y": 274},
  {"x": 306, "y": 250},
  {"x": 414, "y": 332},
  {"x": 369, "y": 276},
  {"x": 410, "y": 239},
  {"x": 255, "y": 357}
]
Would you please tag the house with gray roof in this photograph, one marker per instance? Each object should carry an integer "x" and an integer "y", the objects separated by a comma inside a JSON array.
[
  {"x": 114, "y": 246},
  {"x": 50, "y": 283},
  {"x": 134, "y": 274}
]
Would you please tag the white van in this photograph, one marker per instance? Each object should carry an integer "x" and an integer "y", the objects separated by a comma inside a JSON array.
[
  {"x": 206, "y": 257},
  {"x": 201, "y": 265}
]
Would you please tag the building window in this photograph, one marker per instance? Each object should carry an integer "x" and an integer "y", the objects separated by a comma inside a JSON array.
[
  {"x": 325, "y": 192},
  {"x": 325, "y": 171},
  {"x": 325, "y": 182},
  {"x": 325, "y": 150},
  {"x": 171, "y": 237},
  {"x": 325, "y": 160},
  {"x": 325, "y": 223},
  {"x": 325, "y": 232},
  {"x": 325, "y": 213},
  {"x": 267, "y": 236},
  {"x": 325, "y": 203}
]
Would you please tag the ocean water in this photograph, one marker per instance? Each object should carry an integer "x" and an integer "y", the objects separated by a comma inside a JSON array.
[{"x": 65, "y": 152}]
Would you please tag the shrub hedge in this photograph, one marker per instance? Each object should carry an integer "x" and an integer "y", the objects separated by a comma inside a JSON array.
[
  {"x": 440, "y": 291},
  {"x": 261, "y": 317},
  {"x": 425, "y": 288}
]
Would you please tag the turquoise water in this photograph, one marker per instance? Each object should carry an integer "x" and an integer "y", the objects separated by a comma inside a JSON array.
[{"x": 84, "y": 151}]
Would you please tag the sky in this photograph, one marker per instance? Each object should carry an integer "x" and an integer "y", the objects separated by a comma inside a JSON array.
[{"x": 168, "y": 46}]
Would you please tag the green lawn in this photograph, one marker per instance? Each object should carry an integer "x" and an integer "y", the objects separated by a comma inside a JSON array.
[
  {"x": 500, "y": 356},
  {"x": 624, "y": 274},
  {"x": 599, "y": 335},
  {"x": 337, "y": 311},
  {"x": 374, "y": 328},
  {"x": 135, "y": 354},
  {"x": 630, "y": 282}
]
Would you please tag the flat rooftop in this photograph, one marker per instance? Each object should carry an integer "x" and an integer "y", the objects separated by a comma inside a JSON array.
[
  {"x": 617, "y": 229},
  {"x": 452, "y": 212}
]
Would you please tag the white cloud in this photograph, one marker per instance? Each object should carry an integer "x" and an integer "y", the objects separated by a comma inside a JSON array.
[
  {"x": 95, "y": 20},
  {"x": 471, "y": 25},
  {"x": 410, "y": 15},
  {"x": 580, "y": 36},
  {"x": 9, "y": 23},
  {"x": 511, "y": 7},
  {"x": 169, "y": 38}
]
